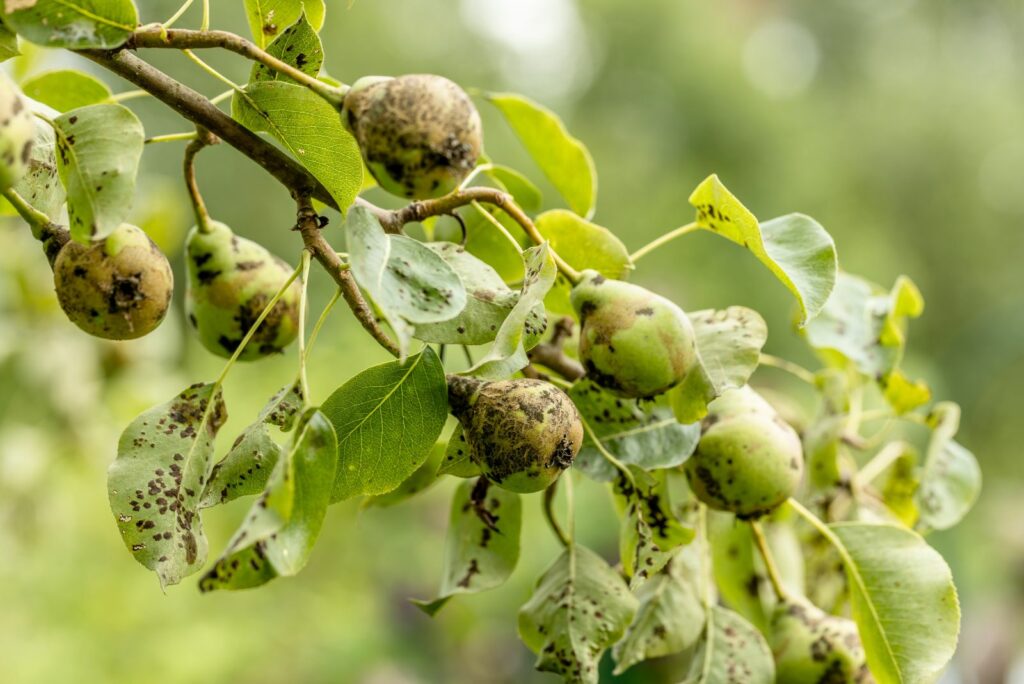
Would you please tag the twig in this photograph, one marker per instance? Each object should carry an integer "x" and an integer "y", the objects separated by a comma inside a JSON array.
[{"x": 309, "y": 227}]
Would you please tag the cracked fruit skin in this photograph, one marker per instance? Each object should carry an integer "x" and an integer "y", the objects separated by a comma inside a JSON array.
[
  {"x": 522, "y": 433},
  {"x": 633, "y": 342},
  {"x": 420, "y": 134},
  {"x": 17, "y": 133},
  {"x": 813, "y": 647},
  {"x": 747, "y": 463},
  {"x": 117, "y": 288},
  {"x": 230, "y": 281}
]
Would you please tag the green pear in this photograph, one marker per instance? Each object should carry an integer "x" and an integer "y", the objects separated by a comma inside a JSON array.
[
  {"x": 522, "y": 433},
  {"x": 231, "y": 280},
  {"x": 17, "y": 133},
  {"x": 812, "y": 647},
  {"x": 633, "y": 342},
  {"x": 748, "y": 460},
  {"x": 420, "y": 134},
  {"x": 117, "y": 288}
]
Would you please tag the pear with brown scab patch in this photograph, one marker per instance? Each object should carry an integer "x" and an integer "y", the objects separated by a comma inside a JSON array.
[
  {"x": 17, "y": 133},
  {"x": 117, "y": 288},
  {"x": 522, "y": 433},
  {"x": 231, "y": 280},
  {"x": 633, "y": 342},
  {"x": 748, "y": 460},
  {"x": 812, "y": 647},
  {"x": 420, "y": 134}
]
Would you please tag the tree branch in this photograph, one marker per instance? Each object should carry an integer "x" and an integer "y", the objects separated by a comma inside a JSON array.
[
  {"x": 309, "y": 227},
  {"x": 157, "y": 36}
]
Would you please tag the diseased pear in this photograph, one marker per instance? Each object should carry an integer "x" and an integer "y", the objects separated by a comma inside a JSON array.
[
  {"x": 522, "y": 433},
  {"x": 633, "y": 342},
  {"x": 420, "y": 134},
  {"x": 117, "y": 288},
  {"x": 813, "y": 647},
  {"x": 748, "y": 460},
  {"x": 231, "y": 280}
]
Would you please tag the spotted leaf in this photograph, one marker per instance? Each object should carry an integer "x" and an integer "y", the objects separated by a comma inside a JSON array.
[
  {"x": 247, "y": 466},
  {"x": 579, "y": 608},
  {"x": 482, "y": 546},
  {"x": 155, "y": 482},
  {"x": 731, "y": 650},
  {"x": 279, "y": 531}
]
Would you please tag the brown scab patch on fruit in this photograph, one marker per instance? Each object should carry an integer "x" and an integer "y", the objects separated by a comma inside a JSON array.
[
  {"x": 120, "y": 292},
  {"x": 420, "y": 134},
  {"x": 522, "y": 433}
]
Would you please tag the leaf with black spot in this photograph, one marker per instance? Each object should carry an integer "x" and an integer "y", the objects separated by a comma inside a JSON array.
[
  {"x": 457, "y": 461},
  {"x": 482, "y": 546},
  {"x": 154, "y": 483},
  {"x": 278, "y": 534},
  {"x": 731, "y": 650},
  {"x": 579, "y": 608},
  {"x": 671, "y": 616},
  {"x": 247, "y": 466}
]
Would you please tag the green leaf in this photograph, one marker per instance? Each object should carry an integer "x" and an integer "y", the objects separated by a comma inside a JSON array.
[
  {"x": 423, "y": 479},
  {"x": 489, "y": 301},
  {"x": 729, "y": 343},
  {"x": 41, "y": 185},
  {"x": 951, "y": 479},
  {"x": 482, "y": 546},
  {"x": 899, "y": 489},
  {"x": 456, "y": 457},
  {"x": 387, "y": 419},
  {"x": 584, "y": 245},
  {"x": 75, "y": 24},
  {"x": 310, "y": 129},
  {"x": 247, "y": 466},
  {"x": 508, "y": 353},
  {"x": 300, "y": 46},
  {"x": 795, "y": 248},
  {"x": 637, "y": 432},
  {"x": 409, "y": 283},
  {"x": 155, "y": 482},
  {"x": 902, "y": 393},
  {"x": 278, "y": 534},
  {"x": 649, "y": 532},
  {"x": 671, "y": 616},
  {"x": 8, "y": 42},
  {"x": 66, "y": 89},
  {"x": 733, "y": 651},
  {"x": 732, "y": 561},
  {"x": 563, "y": 159},
  {"x": 579, "y": 608},
  {"x": 898, "y": 584},
  {"x": 267, "y": 18},
  {"x": 523, "y": 191},
  {"x": 98, "y": 153}
]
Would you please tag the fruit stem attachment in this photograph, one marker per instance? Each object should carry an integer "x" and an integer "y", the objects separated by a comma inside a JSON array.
[
  {"x": 769, "y": 560},
  {"x": 793, "y": 369},
  {"x": 184, "y": 39},
  {"x": 549, "y": 513},
  {"x": 664, "y": 239},
  {"x": 36, "y": 219},
  {"x": 202, "y": 139}
]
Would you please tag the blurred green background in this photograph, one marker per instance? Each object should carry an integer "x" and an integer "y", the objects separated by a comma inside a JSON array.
[{"x": 898, "y": 124}]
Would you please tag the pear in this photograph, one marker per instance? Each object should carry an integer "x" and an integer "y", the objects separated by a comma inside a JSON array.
[
  {"x": 748, "y": 460},
  {"x": 230, "y": 282},
  {"x": 633, "y": 342},
  {"x": 420, "y": 134},
  {"x": 812, "y": 647},
  {"x": 17, "y": 133},
  {"x": 522, "y": 433},
  {"x": 117, "y": 288}
]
